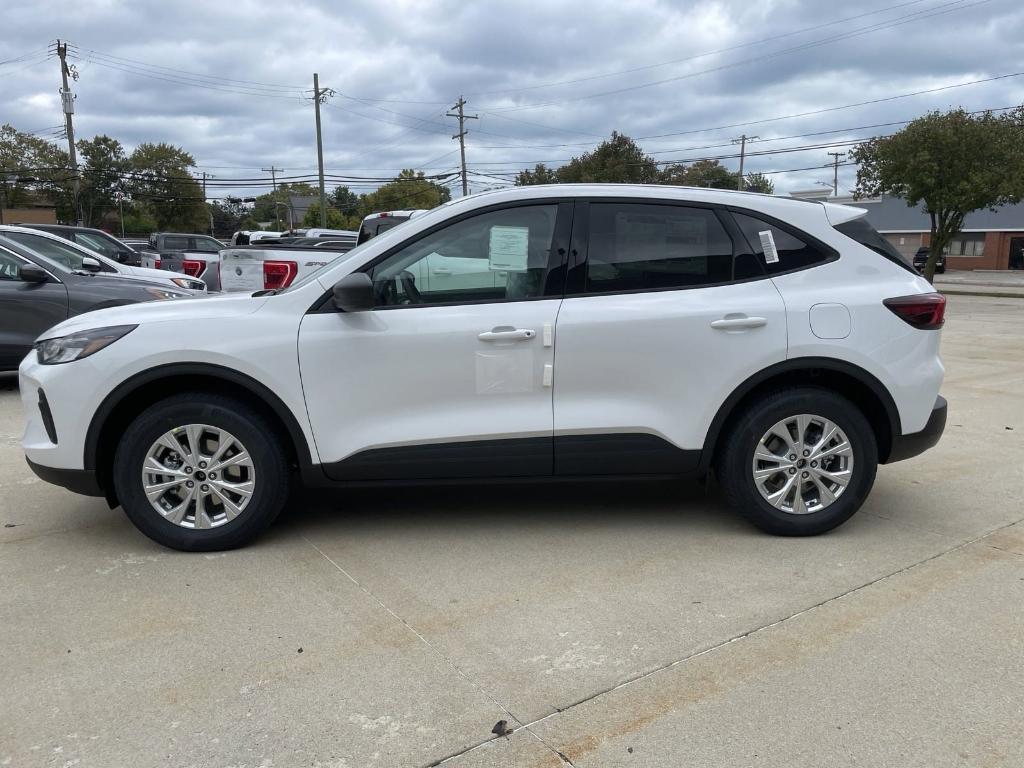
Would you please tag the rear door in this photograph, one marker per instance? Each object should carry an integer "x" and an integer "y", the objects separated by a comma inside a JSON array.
[
  {"x": 26, "y": 309},
  {"x": 666, "y": 312}
]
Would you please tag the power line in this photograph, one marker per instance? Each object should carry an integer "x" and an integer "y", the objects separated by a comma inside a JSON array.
[
  {"x": 948, "y": 7},
  {"x": 692, "y": 57}
]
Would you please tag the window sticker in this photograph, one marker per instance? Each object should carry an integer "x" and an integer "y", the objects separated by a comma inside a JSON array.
[
  {"x": 509, "y": 248},
  {"x": 771, "y": 253}
]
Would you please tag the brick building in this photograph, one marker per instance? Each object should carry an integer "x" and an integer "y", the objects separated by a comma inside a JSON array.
[{"x": 989, "y": 239}]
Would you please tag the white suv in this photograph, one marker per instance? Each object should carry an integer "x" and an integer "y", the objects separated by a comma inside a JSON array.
[{"x": 609, "y": 330}]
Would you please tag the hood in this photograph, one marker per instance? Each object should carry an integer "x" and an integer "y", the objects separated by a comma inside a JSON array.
[{"x": 199, "y": 308}]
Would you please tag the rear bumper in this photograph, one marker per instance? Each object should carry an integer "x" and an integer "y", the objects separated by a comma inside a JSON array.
[
  {"x": 81, "y": 481},
  {"x": 916, "y": 443}
]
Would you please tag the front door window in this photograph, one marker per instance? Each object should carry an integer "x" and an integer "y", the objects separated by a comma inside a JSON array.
[{"x": 496, "y": 256}]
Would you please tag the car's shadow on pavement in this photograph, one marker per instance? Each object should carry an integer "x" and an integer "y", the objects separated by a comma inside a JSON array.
[{"x": 677, "y": 504}]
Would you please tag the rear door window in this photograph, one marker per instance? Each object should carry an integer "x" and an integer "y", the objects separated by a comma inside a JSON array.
[
  {"x": 792, "y": 251},
  {"x": 635, "y": 247}
]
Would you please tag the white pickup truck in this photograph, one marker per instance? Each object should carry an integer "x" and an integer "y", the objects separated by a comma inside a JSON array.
[{"x": 261, "y": 266}]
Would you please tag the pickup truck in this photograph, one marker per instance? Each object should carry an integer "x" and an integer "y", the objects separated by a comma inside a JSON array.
[
  {"x": 265, "y": 267},
  {"x": 194, "y": 255}
]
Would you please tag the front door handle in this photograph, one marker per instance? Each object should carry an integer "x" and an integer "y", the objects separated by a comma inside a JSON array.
[
  {"x": 508, "y": 334},
  {"x": 738, "y": 323}
]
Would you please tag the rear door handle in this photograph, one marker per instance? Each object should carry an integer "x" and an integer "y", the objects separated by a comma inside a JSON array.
[
  {"x": 738, "y": 323},
  {"x": 508, "y": 334}
]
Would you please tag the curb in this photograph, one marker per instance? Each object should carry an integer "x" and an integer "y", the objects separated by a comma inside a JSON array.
[{"x": 994, "y": 293}]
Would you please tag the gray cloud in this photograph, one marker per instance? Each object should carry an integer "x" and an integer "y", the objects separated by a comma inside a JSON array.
[{"x": 421, "y": 55}]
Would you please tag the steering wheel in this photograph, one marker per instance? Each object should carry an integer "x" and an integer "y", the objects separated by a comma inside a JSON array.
[{"x": 408, "y": 281}]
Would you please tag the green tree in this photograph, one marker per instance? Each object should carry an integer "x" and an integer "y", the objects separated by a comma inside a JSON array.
[
  {"x": 703, "y": 173},
  {"x": 758, "y": 182},
  {"x": 43, "y": 170},
  {"x": 265, "y": 209},
  {"x": 228, "y": 215},
  {"x": 104, "y": 166},
  {"x": 335, "y": 219},
  {"x": 540, "y": 174},
  {"x": 617, "y": 160},
  {"x": 409, "y": 190},
  {"x": 345, "y": 201},
  {"x": 953, "y": 162},
  {"x": 161, "y": 181}
]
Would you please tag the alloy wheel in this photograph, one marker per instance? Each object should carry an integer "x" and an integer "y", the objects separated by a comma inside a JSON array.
[
  {"x": 198, "y": 476},
  {"x": 802, "y": 464}
]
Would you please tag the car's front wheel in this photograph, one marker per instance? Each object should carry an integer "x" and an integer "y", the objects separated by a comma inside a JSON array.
[
  {"x": 201, "y": 472},
  {"x": 798, "y": 462}
]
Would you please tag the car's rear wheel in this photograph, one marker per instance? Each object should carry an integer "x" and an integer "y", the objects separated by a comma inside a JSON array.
[
  {"x": 201, "y": 472},
  {"x": 798, "y": 462}
]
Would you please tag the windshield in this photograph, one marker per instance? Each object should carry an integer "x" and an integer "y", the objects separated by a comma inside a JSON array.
[
  {"x": 23, "y": 251},
  {"x": 59, "y": 251},
  {"x": 370, "y": 229},
  {"x": 96, "y": 242}
]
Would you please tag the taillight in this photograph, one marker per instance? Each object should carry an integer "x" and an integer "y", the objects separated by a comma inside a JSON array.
[
  {"x": 278, "y": 274},
  {"x": 191, "y": 267},
  {"x": 156, "y": 263},
  {"x": 926, "y": 311}
]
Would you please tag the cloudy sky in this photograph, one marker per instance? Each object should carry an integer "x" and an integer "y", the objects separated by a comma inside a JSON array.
[{"x": 230, "y": 81}]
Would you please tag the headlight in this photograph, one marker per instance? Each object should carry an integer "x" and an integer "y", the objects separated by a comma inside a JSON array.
[
  {"x": 184, "y": 282},
  {"x": 78, "y": 345},
  {"x": 160, "y": 294}
]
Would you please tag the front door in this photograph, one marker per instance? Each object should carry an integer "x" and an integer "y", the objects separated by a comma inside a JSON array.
[
  {"x": 665, "y": 313},
  {"x": 1017, "y": 253},
  {"x": 450, "y": 374}
]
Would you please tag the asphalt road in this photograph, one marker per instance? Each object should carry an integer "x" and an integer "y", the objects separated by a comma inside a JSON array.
[{"x": 627, "y": 625}]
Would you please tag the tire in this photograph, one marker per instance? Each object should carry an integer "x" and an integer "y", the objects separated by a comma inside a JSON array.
[
  {"x": 261, "y": 469},
  {"x": 735, "y": 465}
]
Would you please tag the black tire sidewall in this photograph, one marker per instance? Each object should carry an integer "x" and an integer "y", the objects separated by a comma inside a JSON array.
[
  {"x": 259, "y": 439},
  {"x": 735, "y": 467}
]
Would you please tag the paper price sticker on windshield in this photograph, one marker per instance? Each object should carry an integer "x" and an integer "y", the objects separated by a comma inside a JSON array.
[{"x": 771, "y": 253}]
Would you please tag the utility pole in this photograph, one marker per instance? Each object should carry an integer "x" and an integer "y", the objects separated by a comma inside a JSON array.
[
  {"x": 461, "y": 136},
  {"x": 273, "y": 171},
  {"x": 742, "y": 141},
  {"x": 837, "y": 156},
  {"x": 67, "y": 99},
  {"x": 319, "y": 97},
  {"x": 209, "y": 208}
]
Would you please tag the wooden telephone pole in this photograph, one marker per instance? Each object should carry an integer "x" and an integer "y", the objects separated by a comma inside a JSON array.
[
  {"x": 67, "y": 99},
  {"x": 461, "y": 136}
]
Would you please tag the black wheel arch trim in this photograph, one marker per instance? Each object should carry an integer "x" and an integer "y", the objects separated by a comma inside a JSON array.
[
  {"x": 151, "y": 375},
  {"x": 790, "y": 366}
]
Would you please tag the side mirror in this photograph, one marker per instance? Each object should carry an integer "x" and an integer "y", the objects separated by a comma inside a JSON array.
[
  {"x": 89, "y": 264},
  {"x": 354, "y": 293},
  {"x": 124, "y": 257},
  {"x": 31, "y": 273}
]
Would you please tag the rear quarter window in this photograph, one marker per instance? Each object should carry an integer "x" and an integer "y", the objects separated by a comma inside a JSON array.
[
  {"x": 794, "y": 252},
  {"x": 865, "y": 234}
]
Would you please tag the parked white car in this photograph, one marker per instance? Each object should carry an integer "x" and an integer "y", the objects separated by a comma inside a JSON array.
[
  {"x": 71, "y": 254},
  {"x": 606, "y": 330}
]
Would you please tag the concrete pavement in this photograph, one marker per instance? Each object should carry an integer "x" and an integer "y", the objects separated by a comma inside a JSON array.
[{"x": 612, "y": 625}]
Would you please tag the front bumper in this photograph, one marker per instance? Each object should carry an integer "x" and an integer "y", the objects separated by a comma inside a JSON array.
[
  {"x": 916, "y": 443},
  {"x": 81, "y": 481}
]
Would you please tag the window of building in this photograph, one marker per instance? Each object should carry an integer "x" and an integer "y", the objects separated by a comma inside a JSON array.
[{"x": 970, "y": 244}]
